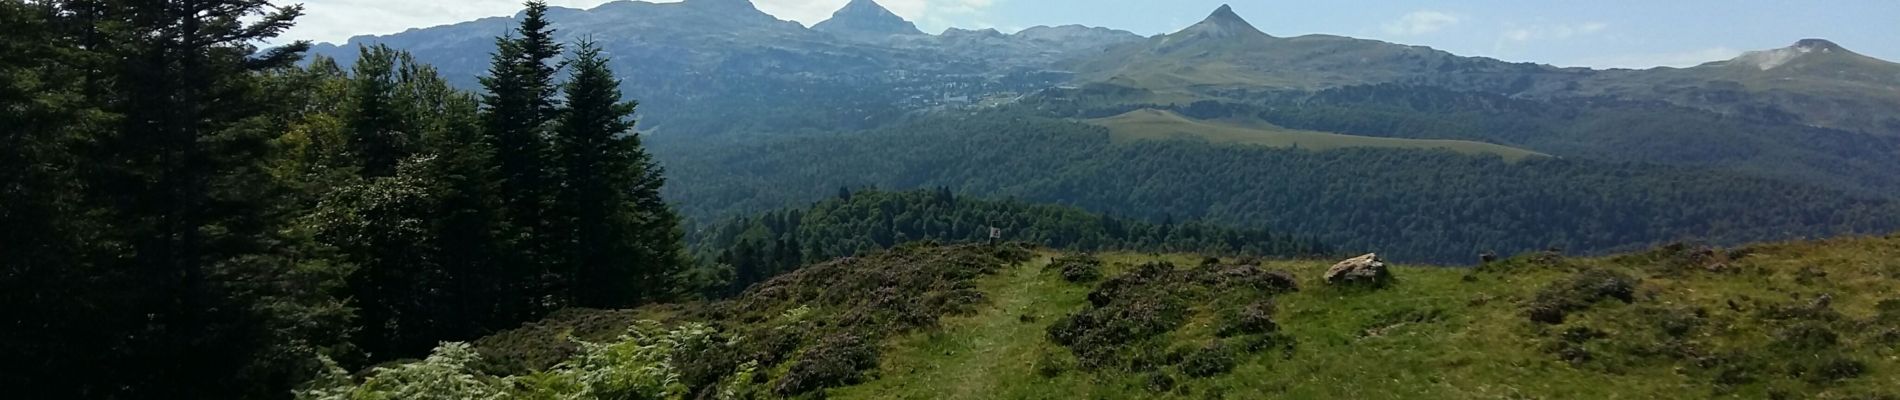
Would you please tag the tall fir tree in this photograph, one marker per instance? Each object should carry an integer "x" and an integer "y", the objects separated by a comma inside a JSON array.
[
  {"x": 623, "y": 239},
  {"x": 519, "y": 107},
  {"x": 176, "y": 236}
]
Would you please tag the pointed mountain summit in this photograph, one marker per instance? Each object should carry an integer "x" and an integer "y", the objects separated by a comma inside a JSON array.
[
  {"x": 1223, "y": 23},
  {"x": 866, "y": 18}
]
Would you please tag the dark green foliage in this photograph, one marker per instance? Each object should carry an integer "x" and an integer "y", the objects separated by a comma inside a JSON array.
[
  {"x": 622, "y": 239},
  {"x": 1807, "y": 335},
  {"x": 835, "y": 361},
  {"x": 540, "y": 345},
  {"x": 854, "y": 303},
  {"x": 1131, "y": 315},
  {"x": 1214, "y": 359},
  {"x": 142, "y": 230},
  {"x": 1454, "y": 205},
  {"x": 1255, "y": 318},
  {"x": 518, "y": 112},
  {"x": 757, "y": 248},
  {"x": 1079, "y": 268},
  {"x": 1578, "y": 292},
  {"x": 1828, "y": 370}
]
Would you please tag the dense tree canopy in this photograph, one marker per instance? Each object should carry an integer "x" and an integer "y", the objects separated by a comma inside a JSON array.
[
  {"x": 1406, "y": 204},
  {"x": 759, "y": 247},
  {"x": 189, "y": 217}
]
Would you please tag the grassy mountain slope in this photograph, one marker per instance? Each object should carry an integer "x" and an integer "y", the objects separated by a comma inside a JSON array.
[
  {"x": 1152, "y": 124},
  {"x": 1787, "y": 320},
  {"x": 1742, "y": 323}
]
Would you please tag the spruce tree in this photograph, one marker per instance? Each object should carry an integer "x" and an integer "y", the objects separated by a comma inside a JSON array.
[
  {"x": 623, "y": 239},
  {"x": 176, "y": 235},
  {"x": 519, "y": 107}
]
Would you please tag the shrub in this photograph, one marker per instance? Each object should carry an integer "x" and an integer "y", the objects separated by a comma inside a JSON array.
[
  {"x": 1255, "y": 318},
  {"x": 1051, "y": 364},
  {"x": 1160, "y": 382},
  {"x": 1213, "y": 359},
  {"x": 1251, "y": 278},
  {"x": 1078, "y": 268},
  {"x": 1807, "y": 335},
  {"x": 837, "y": 360},
  {"x": 1579, "y": 291},
  {"x": 1829, "y": 370}
]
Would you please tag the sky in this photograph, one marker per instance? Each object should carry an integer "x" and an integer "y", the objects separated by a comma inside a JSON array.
[{"x": 1600, "y": 33}]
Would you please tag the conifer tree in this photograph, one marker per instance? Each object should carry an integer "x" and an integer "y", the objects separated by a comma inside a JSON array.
[
  {"x": 623, "y": 239},
  {"x": 519, "y": 108}
]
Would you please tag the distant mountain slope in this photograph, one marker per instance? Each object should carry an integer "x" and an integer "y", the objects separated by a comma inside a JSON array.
[
  {"x": 1814, "y": 82},
  {"x": 1152, "y": 124},
  {"x": 682, "y": 59},
  {"x": 1594, "y": 128},
  {"x": 1225, "y": 52},
  {"x": 1435, "y": 206}
]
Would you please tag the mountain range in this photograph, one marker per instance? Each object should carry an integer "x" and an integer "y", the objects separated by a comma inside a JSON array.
[
  {"x": 723, "y": 84},
  {"x": 879, "y": 64}
]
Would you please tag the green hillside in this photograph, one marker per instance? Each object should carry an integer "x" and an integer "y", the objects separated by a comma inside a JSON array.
[
  {"x": 1152, "y": 124},
  {"x": 1788, "y": 320}
]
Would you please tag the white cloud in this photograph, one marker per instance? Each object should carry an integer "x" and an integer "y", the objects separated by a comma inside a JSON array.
[
  {"x": 1650, "y": 60},
  {"x": 338, "y": 20},
  {"x": 1421, "y": 22},
  {"x": 1520, "y": 34}
]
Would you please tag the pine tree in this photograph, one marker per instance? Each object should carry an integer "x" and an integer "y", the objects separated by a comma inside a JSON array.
[{"x": 624, "y": 240}]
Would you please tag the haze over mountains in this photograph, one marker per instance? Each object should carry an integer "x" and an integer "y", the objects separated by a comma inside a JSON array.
[{"x": 719, "y": 78}]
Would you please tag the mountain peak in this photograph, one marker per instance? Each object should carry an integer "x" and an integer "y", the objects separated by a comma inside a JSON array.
[
  {"x": 867, "y": 17},
  {"x": 1223, "y": 23},
  {"x": 1803, "y": 49},
  {"x": 1822, "y": 45}
]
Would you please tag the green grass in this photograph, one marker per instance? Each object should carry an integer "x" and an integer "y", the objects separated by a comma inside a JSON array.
[
  {"x": 1787, "y": 320},
  {"x": 1438, "y": 334},
  {"x": 1151, "y": 124}
]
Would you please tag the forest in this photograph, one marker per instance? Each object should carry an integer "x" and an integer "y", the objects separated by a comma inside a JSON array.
[
  {"x": 1416, "y": 206},
  {"x": 190, "y": 216},
  {"x": 749, "y": 250}
]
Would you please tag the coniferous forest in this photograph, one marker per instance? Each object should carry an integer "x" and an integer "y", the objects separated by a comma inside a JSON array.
[{"x": 188, "y": 217}]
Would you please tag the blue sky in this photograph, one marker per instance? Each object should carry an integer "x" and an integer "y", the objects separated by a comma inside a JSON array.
[{"x": 1602, "y": 33}]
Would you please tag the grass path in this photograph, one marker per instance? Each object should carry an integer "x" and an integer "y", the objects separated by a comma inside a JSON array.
[{"x": 982, "y": 355}]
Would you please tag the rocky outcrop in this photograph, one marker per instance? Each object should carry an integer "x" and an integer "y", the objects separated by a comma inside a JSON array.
[{"x": 1367, "y": 270}]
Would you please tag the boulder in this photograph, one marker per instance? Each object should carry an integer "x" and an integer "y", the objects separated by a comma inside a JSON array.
[{"x": 1362, "y": 270}]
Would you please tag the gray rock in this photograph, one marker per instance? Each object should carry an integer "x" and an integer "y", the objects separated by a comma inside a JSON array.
[{"x": 1362, "y": 270}]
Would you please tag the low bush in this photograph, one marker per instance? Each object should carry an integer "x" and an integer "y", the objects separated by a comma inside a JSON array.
[
  {"x": 1579, "y": 291},
  {"x": 1213, "y": 359},
  {"x": 836, "y": 360},
  {"x": 1807, "y": 335},
  {"x": 1078, "y": 268},
  {"x": 1255, "y": 318}
]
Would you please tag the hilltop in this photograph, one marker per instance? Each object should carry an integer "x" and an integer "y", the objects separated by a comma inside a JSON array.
[{"x": 1786, "y": 320}]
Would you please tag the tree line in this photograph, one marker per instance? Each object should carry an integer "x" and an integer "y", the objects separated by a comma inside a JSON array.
[
  {"x": 187, "y": 215},
  {"x": 751, "y": 249}
]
